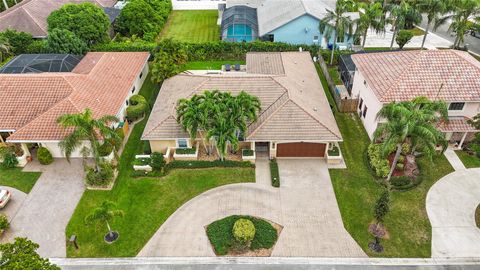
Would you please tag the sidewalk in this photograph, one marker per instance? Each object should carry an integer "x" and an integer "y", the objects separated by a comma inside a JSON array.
[{"x": 452, "y": 157}]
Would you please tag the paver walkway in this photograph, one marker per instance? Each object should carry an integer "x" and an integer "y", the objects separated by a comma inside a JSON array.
[
  {"x": 15, "y": 202},
  {"x": 451, "y": 204},
  {"x": 305, "y": 205},
  {"x": 454, "y": 160},
  {"x": 48, "y": 207}
]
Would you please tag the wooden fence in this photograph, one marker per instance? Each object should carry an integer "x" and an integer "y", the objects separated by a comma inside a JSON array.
[{"x": 343, "y": 105}]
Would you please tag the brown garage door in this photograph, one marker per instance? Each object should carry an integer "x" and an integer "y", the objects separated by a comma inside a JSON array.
[{"x": 301, "y": 150}]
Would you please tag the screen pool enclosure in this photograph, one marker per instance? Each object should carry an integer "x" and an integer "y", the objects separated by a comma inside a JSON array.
[
  {"x": 239, "y": 23},
  {"x": 38, "y": 63}
]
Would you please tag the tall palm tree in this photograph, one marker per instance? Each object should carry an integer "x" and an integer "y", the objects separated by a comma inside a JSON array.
[
  {"x": 5, "y": 4},
  {"x": 400, "y": 14},
  {"x": 244, "y": 109},
  {"x": 86, "y": 128},
  {"x": 223, "y": 133},
  {"x": 105, "y": 213},
  {"x": 462, "y": 11},
  {"x": 192, "y": 117},
  {"x": 5, "y": 48},
  {"x": 342, "y": 25},
  {"x": 433, "y": 9},
  {"x": 413, "y": 122},
  {"x": 371, "y": 18}
]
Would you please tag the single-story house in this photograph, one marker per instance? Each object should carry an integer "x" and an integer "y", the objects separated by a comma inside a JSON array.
[
  {"x": 290, "y": 21},
  {"x": 448, "y": 75},
  {"x": 196, "y": 4},
  {"x": 295, "y": 119},
  {"x": 31, "y": 15},
  {"x": 37, "y": 89}
]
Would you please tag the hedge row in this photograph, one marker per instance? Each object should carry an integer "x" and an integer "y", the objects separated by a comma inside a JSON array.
[
  {"x": 198, "y": 164},
  {"x": 274, "y": 174}
]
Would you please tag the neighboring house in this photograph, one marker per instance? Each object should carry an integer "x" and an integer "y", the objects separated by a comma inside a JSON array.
[
  {"x": 295, "y": 118},
  {"x": 31, "y": 15},
  {"x": 37, "y": 89},
  {"x": 448, "y": 75},
  {"x": 196, "y": 4},
  {"x": 290, "y": 21}
]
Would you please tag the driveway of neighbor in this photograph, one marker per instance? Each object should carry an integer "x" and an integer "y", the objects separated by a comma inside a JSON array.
[
  {"x": 45, "y": 212},
  {"x": 16, "y": 200},
  {"x": 451, "y": 205},
  {"x": 304, "y": 205}
]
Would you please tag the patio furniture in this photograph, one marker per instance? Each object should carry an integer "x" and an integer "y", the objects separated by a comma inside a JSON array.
[
  {"x": 227, "y": 67},
  {"x": 237, "y": 67}
]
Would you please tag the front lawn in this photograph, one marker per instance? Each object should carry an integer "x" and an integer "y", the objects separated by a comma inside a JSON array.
[
  {"x": 210, "y": 65},
  {"x": 146, "y": 202},
  {"x": 15, "y": 178},
  {"x": 192, "y": 26},
  {"x": 357, "y": 190},
  {"x": 470, "y": 161}
]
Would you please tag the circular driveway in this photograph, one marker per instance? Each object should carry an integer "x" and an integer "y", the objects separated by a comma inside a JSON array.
[
  {"x": 451, "y": 204},
  {"x": 15, "y": 202}
]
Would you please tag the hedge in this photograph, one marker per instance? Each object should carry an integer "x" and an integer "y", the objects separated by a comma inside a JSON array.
[
  {"x": 198, "y": 164},
  {"x": 138, "y": 107},
  {"x": 274, "y": 174},
  {"x": 44, "y": 156}
]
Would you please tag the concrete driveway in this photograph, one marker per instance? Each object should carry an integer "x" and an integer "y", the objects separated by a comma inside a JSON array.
[
  {"x": 15, "y": 202},
  {"x": 304, "y": 205},
  {"x": 48, "y": 207},
  {"x": 451, "y": 205}
]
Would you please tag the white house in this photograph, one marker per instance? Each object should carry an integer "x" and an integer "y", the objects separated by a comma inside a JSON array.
[{"x": 448, "y": 75}]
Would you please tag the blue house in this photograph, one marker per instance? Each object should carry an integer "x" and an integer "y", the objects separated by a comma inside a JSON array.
[{"x": 290, "y": 21}]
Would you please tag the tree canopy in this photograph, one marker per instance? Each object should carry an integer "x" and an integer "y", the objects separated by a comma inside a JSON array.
[
  {"x": 86, "y": 20},
  {"x": 170, "y": 56},
  {"x": 18, "y": 41},
  {"x": 21, "y": 255},
  {"x": 64, "y": 41}
]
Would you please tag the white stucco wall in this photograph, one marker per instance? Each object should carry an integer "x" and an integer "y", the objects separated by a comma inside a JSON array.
[
  {"x": 57, "y": 152},
  {"x": 469, "y": 110},
  {"x": 137, "y": 85},
  {"x": 196, "y": 4}
]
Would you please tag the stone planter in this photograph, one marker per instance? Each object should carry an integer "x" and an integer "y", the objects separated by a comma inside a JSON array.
[
  {"x": 186, "y": 156},
  {"x": 147, "y": 168},
  {"x": 335, "y": 159},
  {"x": 249, "y": 158},
  {"x": 108, "y": 158}
]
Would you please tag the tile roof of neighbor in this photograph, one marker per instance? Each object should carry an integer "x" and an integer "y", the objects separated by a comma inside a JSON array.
[
  {"x": 448, "y": 75},
  {"x": 32, "y": 102},
  {"x": 293, "y": 104},
  {"x": 275, "y": 13},
  {"x": 457, "y": 124},
  {"x": 31, "y": 15}
]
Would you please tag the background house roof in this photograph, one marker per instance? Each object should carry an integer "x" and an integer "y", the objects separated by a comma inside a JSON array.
[
  {"x": 37, "y": 63},
  {"x": 31, "y": 15},
  {"x": 32, "y": 102},
  {"x": 449, "y": 75},
  {"x": 293, "y": 103}
]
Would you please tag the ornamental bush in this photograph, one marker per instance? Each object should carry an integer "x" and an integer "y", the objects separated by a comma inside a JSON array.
[
  {"x": 378, "y": 163},
  {"x": 44, "y": 156},
  {"x": 9, "y": 160},
  {"x": 157, "y": 161},
  {"x": 138, "y": 107},
  {"x": 105, "y": 149},
  {"x": 100, "y": 178},
  {"x": 4, "y": 222},
  {"x": 244, "y": 231},
  {"x": 400, "y": 181}
]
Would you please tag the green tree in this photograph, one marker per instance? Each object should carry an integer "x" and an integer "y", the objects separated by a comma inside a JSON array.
[
  {"x": 400, "y": 14},
  {"x": 223, "y": 133},
  {"x": 21, "y": 255},
  {"x": 170, "y": 56},
  {"x": 64, "y": 41},
  {"x": 411, "y": 122},
  {"x": 140, "y": 19},
  {"x": 371, "y": 18},
  {"x": 5, "y": 48},
  {"x": 433, "y": 9},
  {"x": 19, "y": 41},
  {"x": 462, "y": 11},
  {"x": 245, "y": 110},
  {"x": 86, "y": 20},
  {"x": 193, "y": 118},
  {"x": 403, "y": 37},
  {"x": 105, "y": 213},
  {"x": 382, "y": 207},
  {"x": 85, "y": 128},
  {"x": 342, "y": 25}
]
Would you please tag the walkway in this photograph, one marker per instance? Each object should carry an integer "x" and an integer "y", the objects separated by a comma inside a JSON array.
[
  {"x": 451, "y": 204},
  {"x": 305, "y": 205},
  {"x": 48, "y": 207},
  {"x": 454, "y": 160}
]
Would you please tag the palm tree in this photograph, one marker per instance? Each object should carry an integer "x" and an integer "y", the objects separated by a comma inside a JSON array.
[
  {"x": 341, "y": 24},
  {"x": 462, "y": 12},
  {"x": 104, "y": 213},
  {"x": 244, "y": 109},
  {"x": 223, "y": 133},
  {"x": 371, "y": 18},
  {"x": 5, "y": 48},
  {"x": 5, "y": 4},
  {"x": 192, "y": 117},
  {"x": 433, "y": 9},
  {"x": 400, "y": 14},
  {"x": 86, "y": 128},
  {"x": 411, "y": 122}
]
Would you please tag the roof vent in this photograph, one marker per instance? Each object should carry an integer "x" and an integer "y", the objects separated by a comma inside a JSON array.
[{"x": 315, "y": 108}]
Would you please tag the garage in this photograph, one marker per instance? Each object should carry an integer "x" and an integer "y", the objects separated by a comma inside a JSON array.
[{"x": 301, "y": 149}]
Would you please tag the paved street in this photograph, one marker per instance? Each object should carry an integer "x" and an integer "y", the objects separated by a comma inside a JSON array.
[
  {"x": 48, "y": 207},
  {"x": 304, "y": 205}
]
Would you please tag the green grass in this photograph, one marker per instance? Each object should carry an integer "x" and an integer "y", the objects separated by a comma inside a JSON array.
[
  {"x": 192, "y": 26},
  {"x": 357, "y": 190},
  {"x": 416, "y": 31},
  {"x": 147, "y": 202},
  {"x": 221, "y": 236},
  {"x": 210, "y": 65},
  {"x": 470, "y": 161},
  {"x": 15, "y": 178},
  {"x": 335, "y": 75}
]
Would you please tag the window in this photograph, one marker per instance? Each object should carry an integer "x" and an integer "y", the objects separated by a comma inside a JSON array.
[
  {"x": 182, "y": 143},
  {"x": 315, "y": 38},
  {"x": 340, "y": 39},
  {"x": 456, "y": 106},
  {"x": 360, "y": 104},
  {"x": 271, "y": 38},
  {"x": 141, "y": 75},
  {"x": 126, "y": 102},
  {"x": 133, "y": 90},
  {"x": 364, "y": 112}
]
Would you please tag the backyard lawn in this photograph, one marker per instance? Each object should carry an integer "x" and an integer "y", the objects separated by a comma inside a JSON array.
[
  {"x": 356, "y": 191},
  {"x": 468, "y": 160},
  {"x": 192, "y": 26},
  {"x": 211, "y": 65},
  {"x": 15, "y": 178},
  {"x": 147, "y": 203}
]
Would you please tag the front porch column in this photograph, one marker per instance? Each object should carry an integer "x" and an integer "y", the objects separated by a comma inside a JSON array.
[
  {"x": 1, "y": 139},
  {"x": 463, "y": 140}
]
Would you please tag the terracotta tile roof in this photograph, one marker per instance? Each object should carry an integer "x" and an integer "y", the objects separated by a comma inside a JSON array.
[
  {"x": 31, "y": 15},
  {"x": 448, "y": 75},
  {"x": 293, "y": 104},
  {"x": 457, "y": 124},
  {"x": 34, "y": 101}
]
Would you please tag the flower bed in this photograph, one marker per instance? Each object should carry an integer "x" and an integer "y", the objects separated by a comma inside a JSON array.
[
  {"x": 274, "y": 174},
  {"x": 248, "y": 155},
  {"x": 142, "y": 163},
  {"x": 186, "y": 153},
  {"x": 334, "y": 155}
]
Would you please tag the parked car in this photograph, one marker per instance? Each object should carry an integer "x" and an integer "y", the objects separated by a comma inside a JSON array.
[{"x": 4, "y": 197}]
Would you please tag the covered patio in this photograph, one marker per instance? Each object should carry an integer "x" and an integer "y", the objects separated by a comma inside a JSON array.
[{"x": 458, "y": 131}]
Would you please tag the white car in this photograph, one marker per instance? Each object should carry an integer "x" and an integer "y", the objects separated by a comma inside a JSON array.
[{"x": 4, "y": 197}]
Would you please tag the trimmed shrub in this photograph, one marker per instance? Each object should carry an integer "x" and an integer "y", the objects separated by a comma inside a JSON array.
[
  {"x": 399, "y": 166},
  {"x": 378, "y": 163},
  {"x": 401, "y": 159},
  {"x": 400, "y": 181},
  {"x": 105, "y": 149},
  {"x": 9, "y": 160},
  {"x": 44, "y": 156},
  {"x": 334, "y": 152},
  {"x": 247, "y": 152},
  {"x": 274, "y": 174},
  {"x": 101, "y": 178},
  {"x": 198, "y": 164},
  {"x": 142, "y": 161},
  {"x": 382, "y": 206},
  {"x": 157, "y": 161},
  {"x": 243, "y": 231},
  {"x": 138, "y": 107},
  {"x": 185, "y": 151},
  {"x": 405, "y": 149},
  {"x": 146, "y": 148},
  {"x": 4, "y": 224}
]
